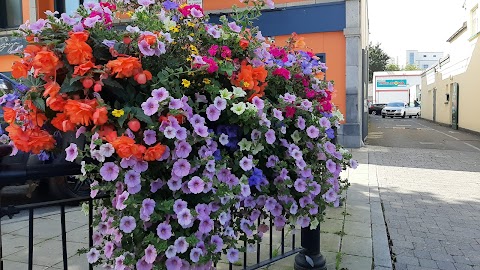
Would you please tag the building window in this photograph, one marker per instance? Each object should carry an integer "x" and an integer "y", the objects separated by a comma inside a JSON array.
[
  {"x": 434, "y": 55},
  {"x": 412, "y": 58},
  {"x": 474, "y": 20},
  {"x": 11, "y": 14},
  {"x": 424, "y": 55},
  {"x": 70, "y": 6},
  {"x": 425, "y": 66}
]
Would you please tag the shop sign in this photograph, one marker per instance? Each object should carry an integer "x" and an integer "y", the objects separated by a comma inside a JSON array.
[{"x": 10, "y": 45}]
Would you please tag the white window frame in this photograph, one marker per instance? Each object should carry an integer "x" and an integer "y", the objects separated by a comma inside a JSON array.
[{"x": 474, "y": 21}]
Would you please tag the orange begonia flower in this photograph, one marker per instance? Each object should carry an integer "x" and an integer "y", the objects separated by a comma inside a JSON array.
[
  {"x": 38, "y": 118},
  {"x": 154, "y": 153},
  {"x": 9, "y": 115},
  {"x": 125, "y": 67},
  {"x": 80, "y": 112},
  {"x": 30, "y": 51},
  {"x": 150, "y": 39},
  {"x": 108, "y": 133},
  {"x": 77, "y": 50},
  {"x": 100, "y": 116},
  {"x": 51, "y": 89},
  {"x": 19, "y": 70},
  {"x": 56, "y": 103},
  {"x": 61, "y": 122},
  {"x": 244, "y": 43},
  {"x": 82, "y": 69},
  {"x": 46, "y": 62},
  {"x": 34, "y": 140},
  {"x": 125, "y": 147}
]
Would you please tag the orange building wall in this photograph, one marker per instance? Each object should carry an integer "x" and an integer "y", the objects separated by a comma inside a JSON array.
[
  {"x": 6, "y": 62},
  {"x": 26, "y": 9},
  {"x": 227, "y": 4},
  {"x": 333, "y": 45},
  {"x": 42, "y": 6}
]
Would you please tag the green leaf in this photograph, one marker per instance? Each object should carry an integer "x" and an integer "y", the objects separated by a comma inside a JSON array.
[
  {"x": 39, "y": 103},
  {"x": 227, "y": 67},
  {"x": 123, "y": 118},
  {"x": 77, "y": 78},
  {"x": 192, "y": 240},
  {"x": 69, "y": 86},
  {"x": 141, "y": 116}
]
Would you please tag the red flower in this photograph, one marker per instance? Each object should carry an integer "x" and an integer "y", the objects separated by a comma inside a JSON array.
[
  {"x": 290, "y": 111},
  {"x": 282, "y": 72}
]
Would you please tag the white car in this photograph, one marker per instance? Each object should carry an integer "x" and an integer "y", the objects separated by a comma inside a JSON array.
[{"x": 400, "y": 109}]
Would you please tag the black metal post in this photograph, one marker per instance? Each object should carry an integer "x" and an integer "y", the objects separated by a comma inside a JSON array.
[
  {"x": 64, "y": 237},
  {"x": 310, "y": 257}
]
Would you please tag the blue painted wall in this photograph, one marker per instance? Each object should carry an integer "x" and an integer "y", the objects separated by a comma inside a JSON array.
[{"x": 325, "y": 17}]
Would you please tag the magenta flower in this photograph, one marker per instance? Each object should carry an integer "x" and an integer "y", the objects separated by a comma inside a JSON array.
[
  {"x": 132, "y": 178},
  {"x": 150, "y": 106},
  {"x": 246, "y": 164},
  {"x": 128, "y": 224},
  {"x": 164, "y": 231},
  {"x": 183, "y": 149},
  {"x": 181, "y": 244},
  {"x": 72, "y": 152},
  {"x": 213, "y": 114},
  {"x": 270, "y": 136},
  {"x": 195, "y": 254},
  {"x": 181, "y": 168},
  {"x": 184, "y": 218},
  {"x": 174, "y": 263},
  {"x": 232, "y": 255},
  {"x": 313, "y": 132},
  {"x": 109, "y": 171},
  {"x": 196, "y": 185},
  {"x": 160, "y": 94},
  {"x": 93, "y": 255},
  {"x": 150, "y": 254}
]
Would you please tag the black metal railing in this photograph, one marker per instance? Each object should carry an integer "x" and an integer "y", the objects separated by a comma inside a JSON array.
[{"x": 308, "y": 255}]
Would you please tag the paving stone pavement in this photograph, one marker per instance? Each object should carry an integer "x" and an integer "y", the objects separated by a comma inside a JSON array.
[{"x": 431, "y": 202}]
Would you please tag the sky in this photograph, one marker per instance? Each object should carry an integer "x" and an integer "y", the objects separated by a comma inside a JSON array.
[{"x": 422, "y": 25}]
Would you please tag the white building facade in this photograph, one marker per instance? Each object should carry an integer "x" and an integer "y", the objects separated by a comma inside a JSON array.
[{"x": 423, "y": 60}]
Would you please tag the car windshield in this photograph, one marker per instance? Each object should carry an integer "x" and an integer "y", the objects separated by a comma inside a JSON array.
[{"x": 395, "y": 104}]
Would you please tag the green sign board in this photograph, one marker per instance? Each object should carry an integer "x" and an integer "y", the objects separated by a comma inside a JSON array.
[{"x": 391, "y": 83}]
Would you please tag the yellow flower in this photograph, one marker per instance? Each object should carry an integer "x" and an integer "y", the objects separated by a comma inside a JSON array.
[
  {"x": 191, "y": 24},
  {"x": 185, "y": 83},
  {"x": 194, "y": 49},
  {"x": 174, "y": 29},
  {"x": 189, "y": 59},
  {"x": 129, "y": 13},
  {"x": 246, "y": 84},
  {"x": 118, "y": 113},
  {"x": 206, "y": 81}
]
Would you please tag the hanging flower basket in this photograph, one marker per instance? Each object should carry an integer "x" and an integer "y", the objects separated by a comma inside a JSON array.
[{"x": 201, "y": 133}]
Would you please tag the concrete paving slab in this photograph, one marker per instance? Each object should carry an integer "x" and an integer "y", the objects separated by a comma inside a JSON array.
[
  {"x": 355, "y": 262},
  {"x": 357, "y": 246},
  {"x": 358, "y": 229}
]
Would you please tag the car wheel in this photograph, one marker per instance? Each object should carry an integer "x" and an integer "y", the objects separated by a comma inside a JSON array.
[
  {"x": 404, "y": 114},
  {"x": 374, "y": 112},
  {"x": 409, "y": 116},
  {"x": 69, "y": 187},
  {"x": 383, "y": 116},
  {"x": 391, "y": 116}
]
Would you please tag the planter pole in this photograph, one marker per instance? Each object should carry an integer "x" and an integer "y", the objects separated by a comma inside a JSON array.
[{"x": 310, "y": 257}]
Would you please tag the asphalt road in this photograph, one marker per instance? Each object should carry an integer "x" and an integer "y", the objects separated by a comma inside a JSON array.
[{"x": 419, "y": 133}]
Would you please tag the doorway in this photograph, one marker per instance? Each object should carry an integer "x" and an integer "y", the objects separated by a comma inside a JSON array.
[
  {"x": 434, "y": 118},
  {"x": 455, "y": 100}
]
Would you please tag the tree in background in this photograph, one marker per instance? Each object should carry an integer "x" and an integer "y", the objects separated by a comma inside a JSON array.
[
  {"x": 392, "y": 67},
  {"x": 377, "y": 59},
  {"x": 411, "y": 67}
]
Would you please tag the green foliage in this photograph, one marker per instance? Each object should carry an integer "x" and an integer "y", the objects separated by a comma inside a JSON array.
[
  {"x": 377, "y": 60},
  {"x": 392, "y": 67},
  {"x": 411, "y": 67}
]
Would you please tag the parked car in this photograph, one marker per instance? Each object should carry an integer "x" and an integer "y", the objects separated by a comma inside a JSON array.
[
  {"x": 400, "y": 109},
  {"x": 376, "y": 108}
]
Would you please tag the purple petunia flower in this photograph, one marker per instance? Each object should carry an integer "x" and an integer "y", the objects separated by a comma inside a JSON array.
[
  {"x": 197, "y": 120},
  {"x": 232, "y": 255},
  {"x": 258, "y": 102},
  {"x": 313, "y": 132},
  {"x": 184, "y": 218},
  {"x": 150, "y": 106},
  {"x": 175, "y": 104},
  {"x": 127, "y": 224},
  {"x": 174, "y": 183},
  {"x": 148, "y": 206},
  {"x": 146, "y": 3},
  {"x": 324, "y": 122},
  {"x": 72, "y": 152},
  {"x": 330, "y": 147},
  {"x": 183, "y": 149},
  {"x": 246, "y": 163},
  {"x": 201, "y": 131},
  {"x": 174, "y": 263},
  {"x": 195, "y": 254},
  {"x": 218, "y": 242},
  {"x": 168, "y": 5},
  {"x": 109, "y": 171},
  {"x": 164, "y": 231},
  {"x": 93, "y": 255},
  {"x": 196, "y": 13},
  {"x": 181, "y": 244},
  {"x": 142, "y": 264},
  {"x": 331, "y": 166},
  {"x": 206, "y": 225},
  {"x": 272, "y": 161},
  {"x": 214, "y": 31},
  {"x": 181, "y": 168},
  {"x": 270, "y": 136},
  {"x": 213, "y": 114},
  {"x": 160, "y": 94},
  {"x": 278, "y": 114},
  {"x": 132, "y": 178},
  {"x": 300, "y": 185},
  {"x": 353, "y": 164},
  {"x": 91, "y": 21},
  {"x": 220, "y": 103},
  {"x": 234, "y": 27},
  {"x": 149, "y": 137},
  {"x": 196, "y": 185},
  {"x": 38, "y": 26},
  {"x": 330, "y": 196}
]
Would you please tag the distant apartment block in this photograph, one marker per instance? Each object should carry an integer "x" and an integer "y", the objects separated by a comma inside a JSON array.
[{"x": 423, "y": 60}]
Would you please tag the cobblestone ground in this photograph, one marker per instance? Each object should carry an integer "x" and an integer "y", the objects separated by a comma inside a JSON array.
[{"x": 431, "y": 197}]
